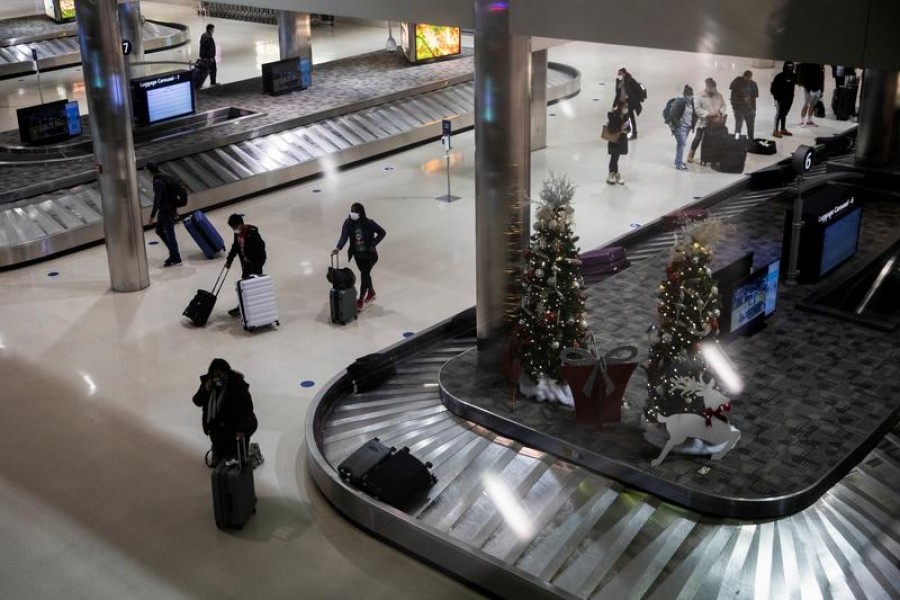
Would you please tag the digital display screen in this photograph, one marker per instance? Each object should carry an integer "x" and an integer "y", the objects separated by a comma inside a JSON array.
[
  {"x": 840, "y": 240},
  {"x": 162, "y": 97},
  {"x": 436, "y": 41},
  {"x": 50, "y": 9},
  {"x": 47, "y": 123},
  {"x": 773, "y": 272},
  {"x": 285, "y": 76},
  {"x": 66, "y": 9},
  {"x": 749, "y": 300}
]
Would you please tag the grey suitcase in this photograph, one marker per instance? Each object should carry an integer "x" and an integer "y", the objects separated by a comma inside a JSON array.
[
  {"x": 233, "y": 490},
  {"x": 256, "y": 298},
  {"x": 343, "y": 305}
]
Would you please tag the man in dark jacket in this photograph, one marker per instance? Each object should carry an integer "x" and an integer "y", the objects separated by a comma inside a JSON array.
[
  {"x": 164, "y": 205},
  {"x": 228, "y": 415},
  {"x": 249, "y": 247},
  {"x": 782, "y": 90},
  {"x": 811, "y": 77},
  {"x": 744, "y": 93},
  {"x": 208, "y": 52},
  {"x": 629, "y": 96}
]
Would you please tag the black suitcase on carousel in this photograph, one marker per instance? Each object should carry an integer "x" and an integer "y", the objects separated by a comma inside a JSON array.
[
  {"x": 203, "y": 302},
  {"x": 363, "y": 460},
  {"x": 733, "y": 156},
  {"x": 233, "y": 490},
  {"x": 370, "y": 371},
  {"x": 843, "y": 103},
  {"x": 399, "y": 480}
]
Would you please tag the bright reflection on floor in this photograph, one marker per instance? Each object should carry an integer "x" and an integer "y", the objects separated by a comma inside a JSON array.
[
  {"x": 440, "y": 164},
  {"x": 567, "y": 109},
  {"x": 722, "y": 367},
  {"x": 508, "y": 506},
  {"x": 329, "y": 166},
  {"x": 92, "y": 387}
]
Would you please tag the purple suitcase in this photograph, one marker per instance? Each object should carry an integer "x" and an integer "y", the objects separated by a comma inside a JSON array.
[{"x": 603, "y": 261}]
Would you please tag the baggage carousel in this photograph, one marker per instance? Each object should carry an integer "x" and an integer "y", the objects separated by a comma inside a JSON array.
[
  {"x": 51, "y": 203},
  {"x": 561, "y": 530},
  {"x": 57, "y": 44}
]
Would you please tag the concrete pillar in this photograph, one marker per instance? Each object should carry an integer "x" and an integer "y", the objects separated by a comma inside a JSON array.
[
  {"x": 539, "y": 99},
  {"x": 502, "y": 156},
  {"x": 878, "y": 136},
  {"x": 132, "y": 29},
  {"x": 110, "y": 108},
  {"x": 294, "y": 35}
]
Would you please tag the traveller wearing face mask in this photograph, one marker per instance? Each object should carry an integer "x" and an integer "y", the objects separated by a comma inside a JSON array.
[
  {"x": 364, "y": 235},
  {"x": 227, "y": 406},
  {"x": 249, "y": 247}
]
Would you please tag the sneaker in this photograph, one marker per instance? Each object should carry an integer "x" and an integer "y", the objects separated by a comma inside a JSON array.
[
  {"x": 370, "y": 296},
  {"x": 619, "y": 179},
  {"x": 681, "y": 167},
  {"x": 359, "y": 305},
  {"x": 172, "y": 262},
  {"x": 810, "y": 123},
  {"x": 235, "y": 312},
  {"x": 611, "y": 179},
  {"x": 776, "y": 134},
  {"x": 802, "y": 123},
  {"x": 786, "y": 132}
]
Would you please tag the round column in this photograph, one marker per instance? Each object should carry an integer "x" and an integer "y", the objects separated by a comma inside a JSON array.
[
  {"x": 878, "y": 135},
  {"x": 110, "y": 109},
  {"x": 294, "y": 34},
  {"x": 502, "y": 156},
  {"x": 132, "y": 29}
]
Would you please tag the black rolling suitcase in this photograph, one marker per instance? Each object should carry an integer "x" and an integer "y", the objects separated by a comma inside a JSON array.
[
  {"x": 234, "y": 494},
  {"x": 369, "y": 371},
  {"x": 843, "y": 103},
  {"x": 733, "y": 155},
  {"x": 342, "y": 295},
  {"x": 201, "y": 306},
  {"x": 362, "y": 460},
  {"x": 399, "y": 480},
  {"x": 711, "y": 146},
  {"x": 200, "y": 72}
]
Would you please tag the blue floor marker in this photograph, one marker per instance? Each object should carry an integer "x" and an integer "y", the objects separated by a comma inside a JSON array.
[
  {"x": 307, "y": 383},
  {"x": 52, "y": 273},
  {"x": 408, "y": 334}
]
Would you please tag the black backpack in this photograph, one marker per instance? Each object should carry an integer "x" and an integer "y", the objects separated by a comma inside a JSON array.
[{"x": 176, "y": 193}]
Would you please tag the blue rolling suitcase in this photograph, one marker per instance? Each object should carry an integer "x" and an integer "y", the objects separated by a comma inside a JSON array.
[{"x": 204, "y": 233}]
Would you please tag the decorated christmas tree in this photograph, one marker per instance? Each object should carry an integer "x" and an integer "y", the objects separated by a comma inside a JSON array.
[
  {"x": 689, "y": 310},
  {"x": 552, "y": 313}
]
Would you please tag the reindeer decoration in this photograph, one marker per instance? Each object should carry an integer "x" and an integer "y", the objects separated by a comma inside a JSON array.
[{"x": 712, "y": 426}]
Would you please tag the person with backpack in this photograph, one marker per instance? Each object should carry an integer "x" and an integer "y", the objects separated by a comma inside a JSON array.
[
  {"x": 166, "y": 201},
  {"x": 744, "y": 93},
  {"x": 680, "y": 115},
  {"x": 782, "y": 90},
  {"x": 364, "y": 235},
  {"x": 249, "y": 246},
  {"x": 629, "y": 95}
]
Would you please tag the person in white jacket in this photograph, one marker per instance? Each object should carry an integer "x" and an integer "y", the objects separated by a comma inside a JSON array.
[{"x": 711, "y": 112}]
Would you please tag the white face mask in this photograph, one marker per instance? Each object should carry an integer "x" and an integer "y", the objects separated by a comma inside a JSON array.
[
  {"x": 354, "y": 216},
  {"x": 237, "y": 230}
]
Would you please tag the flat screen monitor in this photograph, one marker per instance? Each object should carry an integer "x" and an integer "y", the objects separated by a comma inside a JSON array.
[
  {"x": 773, "y": 274},
  {"x": 840, "y": 240},
  {"x": 285, "y": 76},
  {"x": 161, "y": 97},
  {"x": 49, "y": 123},
  {"x": 730, "y": 274},
  {"x": 437, "y": 41},
  {"x": 748, "y": 301}
]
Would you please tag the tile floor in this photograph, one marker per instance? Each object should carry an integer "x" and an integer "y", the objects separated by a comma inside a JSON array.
[{"x": 102, "y": 485}]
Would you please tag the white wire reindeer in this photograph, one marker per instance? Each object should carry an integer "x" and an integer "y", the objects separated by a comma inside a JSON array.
[{"x": 708, "y": 427}]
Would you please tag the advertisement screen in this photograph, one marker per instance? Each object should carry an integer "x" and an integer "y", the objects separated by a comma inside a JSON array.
[
  {"x": 840, "y": 240},
  {"x": 47, "y": 123},
  {"x": 66, "y": 9},
  {"x": 748, "y": 301},
  {"x": 772, "y": 274},
  {"x": 435, "y": 41},
  {"x": 285, "y": 76},
  {"x": 73, "y": 115}
]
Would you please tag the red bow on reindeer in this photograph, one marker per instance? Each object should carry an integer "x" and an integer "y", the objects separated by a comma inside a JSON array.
[{"x": 718, "y": 413}]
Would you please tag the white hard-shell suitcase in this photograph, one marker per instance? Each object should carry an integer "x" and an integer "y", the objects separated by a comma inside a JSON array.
[{"x": 256, "y": 296}]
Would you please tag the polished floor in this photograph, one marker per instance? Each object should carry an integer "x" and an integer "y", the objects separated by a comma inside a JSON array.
[{"x": 103, "y": 491}]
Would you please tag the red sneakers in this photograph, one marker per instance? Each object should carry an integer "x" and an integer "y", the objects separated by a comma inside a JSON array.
[
  {"x": 359, "y": 305},
  {"x": 370, "y": 295}
]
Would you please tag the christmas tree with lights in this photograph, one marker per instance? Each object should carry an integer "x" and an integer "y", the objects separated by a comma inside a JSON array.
[
  {"x": 552, "y": 313},
  {"x": 689, "y": 310}
]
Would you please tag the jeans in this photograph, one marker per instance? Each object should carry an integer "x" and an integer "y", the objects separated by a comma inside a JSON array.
[
  {"x": 365, "y": 262},
  {"x": 681, "y": 135},
  {"x": 165, "y": 229},
  {"x": 741, "y": 115}
]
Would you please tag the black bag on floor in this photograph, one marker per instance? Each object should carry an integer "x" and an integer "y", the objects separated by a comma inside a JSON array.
[
  {"x": 370, "y": 371},
  {"x": 762, "y": 146},
  {"x": 362, "y": 461},
  {"x": 733, "y": 156},
  {"x": 234, "y": 494},
  {"x": 200, "y": 72},
  {"x": 201, "y": 306},
  {"x": 835, "y": 144},
  {"x": 399, "y": 480},
  {"x": 819, "y": 110}
]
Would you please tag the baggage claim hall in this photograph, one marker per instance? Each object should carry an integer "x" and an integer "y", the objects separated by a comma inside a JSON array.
[{"x": 592, "y": 371}]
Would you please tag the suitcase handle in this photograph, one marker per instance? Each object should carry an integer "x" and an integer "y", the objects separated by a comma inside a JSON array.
[
  {"x": 220, "y": 281},
  {"x": 336, "y": 260}
]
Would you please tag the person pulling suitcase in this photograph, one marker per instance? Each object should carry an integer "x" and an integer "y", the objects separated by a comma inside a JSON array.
[
  {"x": 364, "y": 234},
  {"x": 249, "y": 247},
  {"x": 224, "y": 396}
]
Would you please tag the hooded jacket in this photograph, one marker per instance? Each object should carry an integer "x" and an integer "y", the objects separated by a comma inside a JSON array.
[{"x": 782, "y": 87}]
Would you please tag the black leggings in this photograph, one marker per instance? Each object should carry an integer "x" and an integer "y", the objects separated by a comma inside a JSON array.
[
  {"x": 614, "y": 162},
  {"x": 698, "y": 137},
  {"x": 783, "y": 109},
  {"x": 364, "y": 263}
]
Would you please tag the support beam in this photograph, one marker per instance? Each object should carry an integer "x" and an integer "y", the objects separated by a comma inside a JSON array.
[
  {"x": 132, "y": 29},
  {"x": 294, "y": 35},
  {"x": 539, "y": 100},
  {"x": 878, "y": 136}
]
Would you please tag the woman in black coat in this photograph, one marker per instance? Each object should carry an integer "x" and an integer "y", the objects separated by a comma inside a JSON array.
[
  {"x": 227, "y": 406},
  {"x": 782, "y": 90},
  {"x": 364, "y": 234},
  {"x": 616, "y": 123}
]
